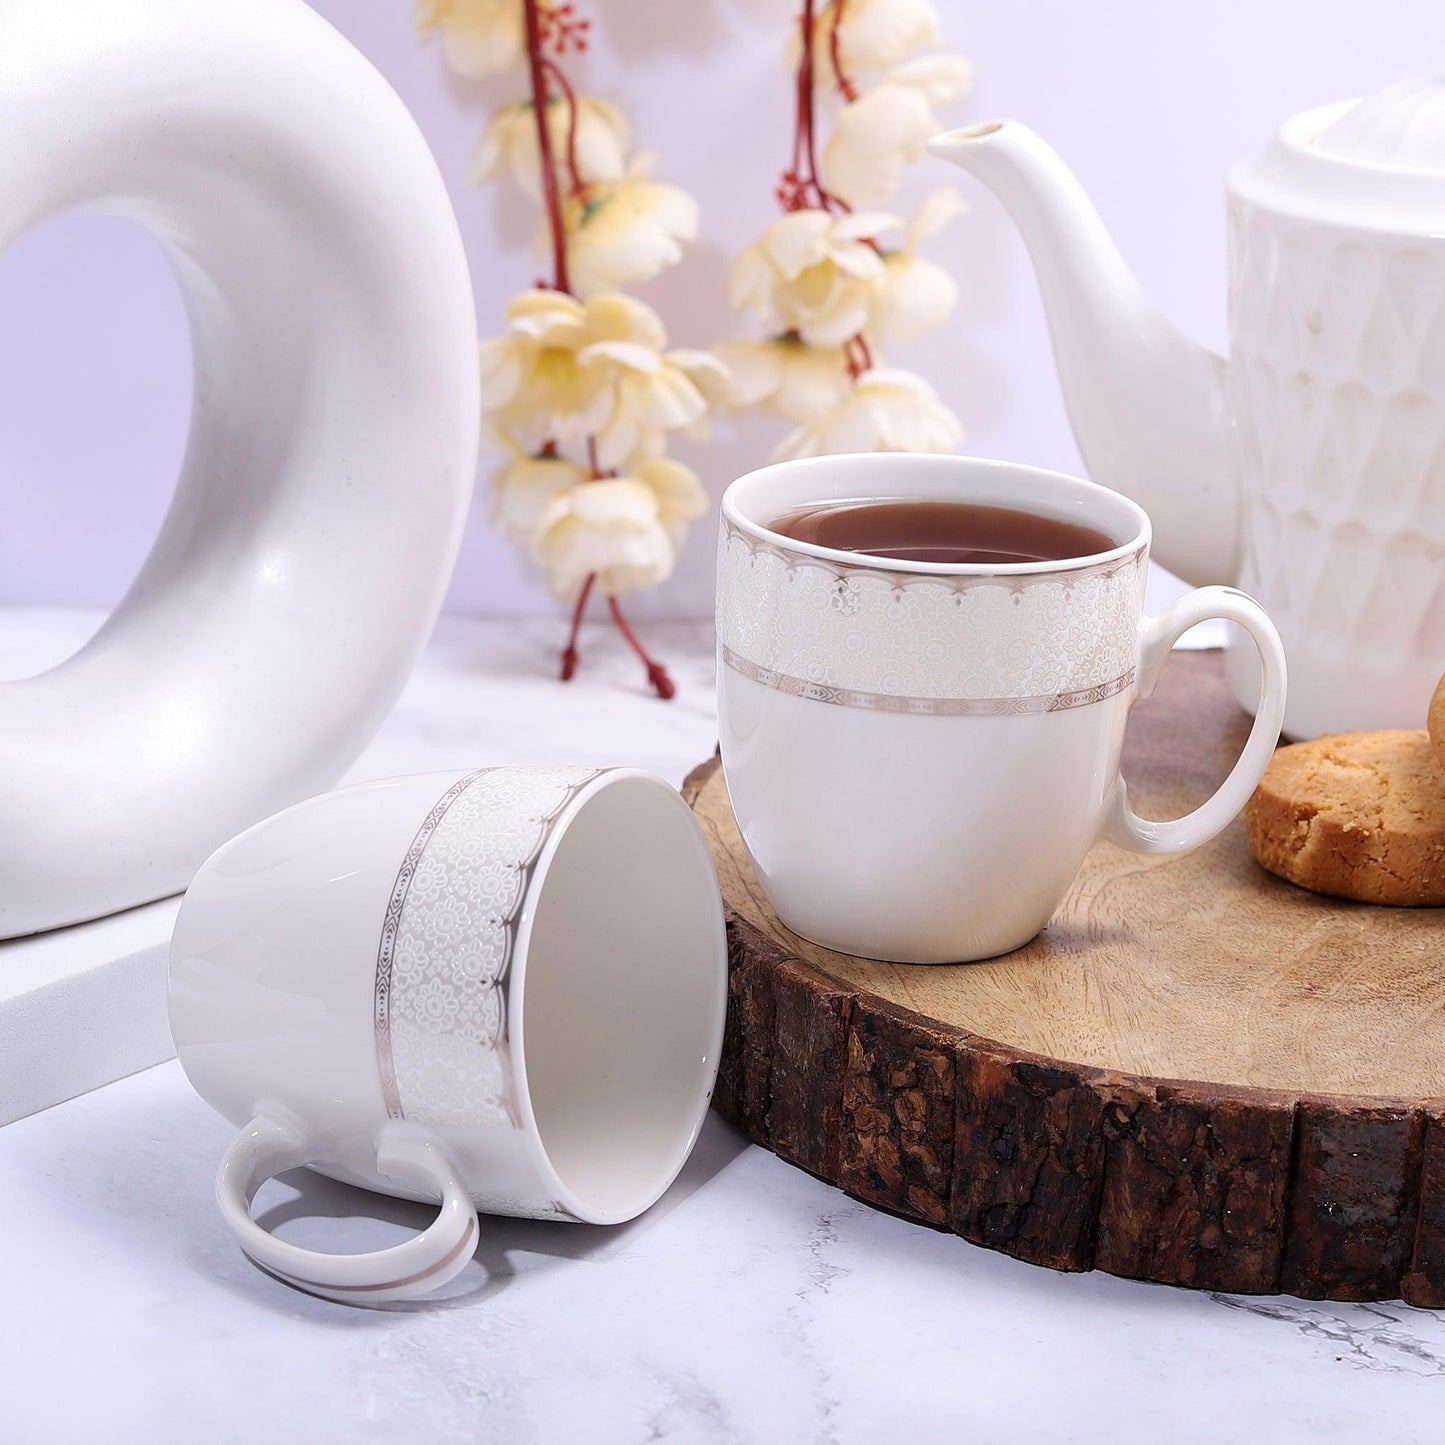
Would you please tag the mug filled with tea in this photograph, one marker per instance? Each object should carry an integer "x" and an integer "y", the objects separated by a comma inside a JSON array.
[{"x": 926, "y": 666}]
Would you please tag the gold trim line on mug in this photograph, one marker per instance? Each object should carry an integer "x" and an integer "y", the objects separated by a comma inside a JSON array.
[{"x": 926, "y": 706}]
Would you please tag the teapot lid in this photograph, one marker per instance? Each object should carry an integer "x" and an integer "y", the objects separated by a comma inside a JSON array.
[
  {"x": 1375, "y": 165},
  {"x": 1402, "y": 127}
]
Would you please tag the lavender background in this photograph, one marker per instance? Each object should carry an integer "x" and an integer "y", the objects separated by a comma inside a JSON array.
[{"x": 1149, "y": 102}]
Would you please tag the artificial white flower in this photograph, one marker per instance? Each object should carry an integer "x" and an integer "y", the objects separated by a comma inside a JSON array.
[
  {"x": 534, "y": 384},
  {"x": 524, "y": 487},
  {"x": 888, "y": 410},
  {"x": 786, "y": 376},
  {"x": 624, "y": 231},
  {"x": 569, "y": 369},
  {"x": 679, "y": 492},
  {"x": 652, "y": 393},
  {"x": 814, "y": 273},
  {"x": 873, "y": 34},
  {"x": 917, "y": 294},
  {"x": 889, "y": 126},
  {"x": 510, "y": 143},
  {"x": 480, "y": 37},
  {"x": 611, "y": 528}
]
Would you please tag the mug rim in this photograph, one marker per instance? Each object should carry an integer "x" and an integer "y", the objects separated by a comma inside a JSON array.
[
  {"x": 565, "y": 1191},
  {"x": 918, "y": 463}
]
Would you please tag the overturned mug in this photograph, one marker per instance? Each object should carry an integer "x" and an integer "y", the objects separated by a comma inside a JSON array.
[{"x": 502, "y": 989}]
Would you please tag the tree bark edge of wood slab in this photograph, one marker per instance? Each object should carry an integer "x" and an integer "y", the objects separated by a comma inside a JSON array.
[{"x": 1214, "y": 1186}]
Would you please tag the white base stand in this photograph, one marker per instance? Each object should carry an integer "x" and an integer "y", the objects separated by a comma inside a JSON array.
[{"x": 81, "y": 1007}]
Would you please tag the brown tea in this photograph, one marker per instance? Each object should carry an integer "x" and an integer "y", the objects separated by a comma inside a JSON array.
[{"x": 918, "y": 531}]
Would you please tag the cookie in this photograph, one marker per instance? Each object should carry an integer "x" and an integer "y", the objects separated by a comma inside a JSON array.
[
  {"x": 1437, "y": 722},
  {"x": 1358, "y": 815}
]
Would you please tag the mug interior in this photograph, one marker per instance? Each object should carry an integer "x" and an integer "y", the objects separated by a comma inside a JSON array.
[
  {"x": 757, "y": 500},
  {"x": 618, "y": 1023}
]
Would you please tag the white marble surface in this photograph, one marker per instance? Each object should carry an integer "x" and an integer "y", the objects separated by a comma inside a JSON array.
[
  {"x": 761, "y": 1307},
  {"x": 755, "y": 1304}
]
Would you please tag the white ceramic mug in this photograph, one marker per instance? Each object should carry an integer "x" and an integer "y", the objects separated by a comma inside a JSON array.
[
  {"x": 502, "y": 989},
  {"x": 919, "y": 755}
]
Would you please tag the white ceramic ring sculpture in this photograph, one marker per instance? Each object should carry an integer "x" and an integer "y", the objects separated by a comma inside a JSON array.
[{"x": 333, "y": 438}]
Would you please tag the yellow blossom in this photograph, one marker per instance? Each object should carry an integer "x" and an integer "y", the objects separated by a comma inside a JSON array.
[
  {"x": 679, "y": 492},
  {"x": 524, "y": 487},
  {"x": 889, "y": 126},
  {"x": 873, "y": 34},
  {"x": 568, "y": 369},
  {"x": 624, "y": 231},
  {"x": 786, "y": 376},
  {"x": 534, "y": 383},
  {"x": 814, "y": 273},
  {"x": 917, "y": 294},
  {"x": 887, "y": 410},
  {"x": 479, "y": 37},
  {"x": 612, "y": 529},
  {"x": 509, "y": 142}
]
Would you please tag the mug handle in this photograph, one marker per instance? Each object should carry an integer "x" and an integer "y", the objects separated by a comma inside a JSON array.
[
  {"x": 266, "y": 1147},
  {"x": 1157, "y": 638}
]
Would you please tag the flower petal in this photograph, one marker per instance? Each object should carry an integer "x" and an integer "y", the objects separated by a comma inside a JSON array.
[
  {"x": 874, "y": 34},
  {"x": 872, "y": 140},
  {"x": 679, "y": 491},
  {"x": 630, "y": 354},
  {"x": 612, "y": 316},
  {"x": 612, "y": 529},
  {"x": 941, "y": 79},
  {"x": 865, "y": 225},
  {"x": 842, "y": 321},
  {"x": 917, "y": 295},
  {"x": 523, "y": 491},
  {"x": 501, "y": 371},
  {"x": 796, "y": 241},
  {"x": 705, "y": 370},
  {"x": 814, "y": 381},
  {"x": 936, "y": 212},
  {"x": 751, "y": 283},
  {"x": 756, "y": 369}
]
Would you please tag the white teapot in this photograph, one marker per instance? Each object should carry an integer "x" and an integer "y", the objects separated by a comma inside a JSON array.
[{"x": 1309, "y": 468}]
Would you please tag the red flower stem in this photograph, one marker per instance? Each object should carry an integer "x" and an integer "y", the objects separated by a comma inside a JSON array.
[
  {"x": 542, "y": 70},
  {"x": 802, "y": 140},
  {"x": 570, "y": 95},
  {"x": 809, "y": 188},
  {"x": 552, "y": 200},
  {"x": 656, "y": 673},
  {"x": 845, "y": 84},
  {"x": 797, "y": 168},
  {"x": 806, "y": 98},
  {"x": 570, "y": 655}
]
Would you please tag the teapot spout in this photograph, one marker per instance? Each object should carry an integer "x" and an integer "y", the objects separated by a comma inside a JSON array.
[{"x": 1147, "y": 404}]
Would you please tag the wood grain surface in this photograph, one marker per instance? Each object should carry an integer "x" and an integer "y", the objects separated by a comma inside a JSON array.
[{"x": 1197, "y": 1074}]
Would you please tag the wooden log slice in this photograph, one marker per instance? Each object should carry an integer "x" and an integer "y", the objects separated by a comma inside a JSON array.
[{"x": 1198, "y": 1074}]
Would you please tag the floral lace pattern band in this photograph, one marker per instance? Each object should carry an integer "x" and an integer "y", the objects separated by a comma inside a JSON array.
[
  {"x": 912, "y": 642},
  {"x": 447, "y": 944}
]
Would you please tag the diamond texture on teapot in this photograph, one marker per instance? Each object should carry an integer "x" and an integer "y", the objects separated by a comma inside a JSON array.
[{"x": 1338, "y": 389}]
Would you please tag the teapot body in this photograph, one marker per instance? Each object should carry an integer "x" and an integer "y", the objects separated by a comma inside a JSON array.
[{"x": 1336, "y": 388}]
